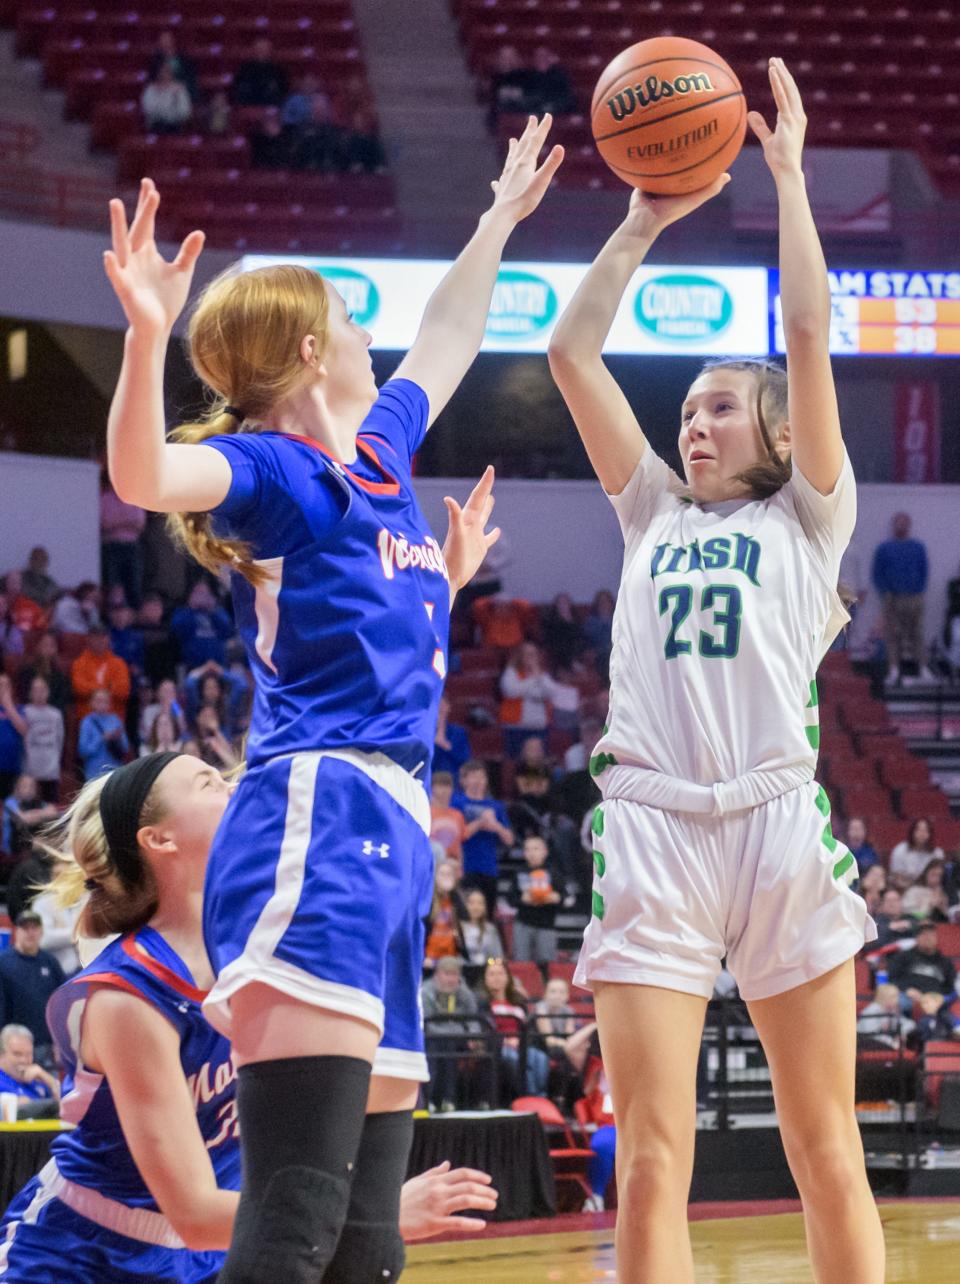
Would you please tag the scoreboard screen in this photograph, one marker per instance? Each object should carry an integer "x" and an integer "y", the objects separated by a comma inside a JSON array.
[{"x": 886, "y": 313}]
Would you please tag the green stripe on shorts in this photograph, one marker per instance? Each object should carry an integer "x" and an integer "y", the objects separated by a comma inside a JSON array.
[
  {"x": 599, "y": 864},
  {"x": 843, "y": 865},
  {"x": 598, "y": 905}
]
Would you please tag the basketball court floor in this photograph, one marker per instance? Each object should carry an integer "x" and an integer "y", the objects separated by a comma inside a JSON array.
[{"x": 733, "y": 1244}]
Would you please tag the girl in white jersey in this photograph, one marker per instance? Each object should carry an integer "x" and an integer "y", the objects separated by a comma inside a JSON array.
[{"x": 713, "y": 837}]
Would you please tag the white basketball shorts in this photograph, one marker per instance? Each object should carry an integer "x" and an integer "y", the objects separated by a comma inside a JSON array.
[{"x": 674, "y": 893}]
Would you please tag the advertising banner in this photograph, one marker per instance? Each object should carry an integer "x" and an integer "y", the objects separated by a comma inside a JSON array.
[
  {"x": 916, "y": 431},
  {"x": 666, "y": 310}
]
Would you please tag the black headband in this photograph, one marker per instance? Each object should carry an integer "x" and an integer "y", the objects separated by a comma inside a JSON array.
[
  {"x": 233, "y": 410},
  {"x": 121, "y": 802}
]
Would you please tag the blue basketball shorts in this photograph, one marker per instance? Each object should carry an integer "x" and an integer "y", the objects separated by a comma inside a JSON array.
[
  {"x": 43, "y": 1241},
  {"x": 318, "y": 883}
]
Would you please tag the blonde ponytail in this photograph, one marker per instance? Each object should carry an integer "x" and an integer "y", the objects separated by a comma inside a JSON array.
[{"x": 77, "y": 840}]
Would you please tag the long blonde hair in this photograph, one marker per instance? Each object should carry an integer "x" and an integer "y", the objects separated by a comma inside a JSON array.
[
  {"x": 244, "y": 343},
  {"x": 77, "y": 840}
]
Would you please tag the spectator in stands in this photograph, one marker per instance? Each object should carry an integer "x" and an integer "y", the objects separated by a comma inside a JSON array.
[
  {"x": 96, "y": 668},
  {"x": 180, "y": 66},
  {"x": 45, "y": 665},
  {"x": 923, "y": 969},
  {"x": 19, "y": 1072},
  {"x": 481, "y": 940},
  {"x": 892, "y": 923},
  {"x": 218, "y": 114},
  {"x": 504, "y": 998},
  {"x": 527, "y": 691},
  {"x": 447, "y": 824},
  {"x": 43, "y": 741},
  {"x": 487, "y": 826},
  {"x": 24, "y": 811},
  {"x": 363, "y": 150},
  {"x": 12, "y": 729},
  {"x": 555, "y": 1018},
  {"x": 872, "y": 887},
  {"x": 102, "y": 743},
  {"x": 451, "y": 744},
  {"x": 863, "y": 851},
  {"x": 928, "y": 897},
  {"x": 126, "y": 638},
  {"x": 297, "y": 107},
  {"x": 77, "y": 610},
  {"x": 883, "y": 1021},
  {"x": 909, "y": 858},
  {"x": 443, "y": 939},
  {"x": 24, "y": 612},
  {"x": 598, "y": 627},
  {"x": 201, "y": 628},
  {"x": 260, "y": 81},
  {"x": 121, "y": 528},
  {"x": 212, "y": 687},
  {"x": 448, "y": 1006},
  {"x": 159, "y": 649},
  {"x": 900, "y": 571},
  {"x": 270, "y": 144},
  {"x": 532, "y": 784},
  {"x": 164, "y": 736},
  {"x": 503, "y": 621},
  {"x": 598, "y": 1107},
  {"x": 59, "y": 923},
  {"x": 37, "y": 584},
  {"x": 211, "y": 744},
  {"x": 549, "y": 88},
  {"x": 508, "y": 84},
  {"x": 577, "y": 757},
  {"x": 165, "y": 104},
  {"x": 166, "y": 700},
  {"x": 28, "y": 976},
  {"x": 535, "y": 895},
  {"x": 938, "y": 1019},
  {"x": 11, "y": 639},
  {"x": 320, "y": 145}
]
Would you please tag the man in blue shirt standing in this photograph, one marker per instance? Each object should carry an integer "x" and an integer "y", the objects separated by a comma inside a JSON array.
[
  {"x": 28, "y": 976},
  {"x": 487, "y": 826},
  {"x": 900, "y": 577}
]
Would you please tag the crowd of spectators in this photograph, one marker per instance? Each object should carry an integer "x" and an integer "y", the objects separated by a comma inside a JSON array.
[
  {"x": 538, "y": 86},
  {"x": 297, "y": 126}
]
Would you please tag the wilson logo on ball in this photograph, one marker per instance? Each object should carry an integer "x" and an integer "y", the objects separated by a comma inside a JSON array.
[{"x": 653, "y": 90}]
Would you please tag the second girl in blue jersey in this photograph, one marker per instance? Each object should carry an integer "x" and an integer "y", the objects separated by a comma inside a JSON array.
[{"x": 300, "y": 482}]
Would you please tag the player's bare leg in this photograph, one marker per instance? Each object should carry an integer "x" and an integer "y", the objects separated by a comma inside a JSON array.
[
  {"x": 651, "y": 1042},
  {"x": 809, "y": 1036}
]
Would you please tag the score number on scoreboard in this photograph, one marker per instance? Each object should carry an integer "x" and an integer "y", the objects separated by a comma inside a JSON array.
[{"x": 884, "y": 313}]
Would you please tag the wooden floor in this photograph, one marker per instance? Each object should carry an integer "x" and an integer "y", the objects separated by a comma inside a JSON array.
[{"x": 923, "y": 1247}]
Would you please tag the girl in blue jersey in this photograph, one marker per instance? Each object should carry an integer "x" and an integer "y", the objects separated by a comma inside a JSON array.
[
  {"x": 145, "y": 1188},
  {"x": 299, "y": 481}
]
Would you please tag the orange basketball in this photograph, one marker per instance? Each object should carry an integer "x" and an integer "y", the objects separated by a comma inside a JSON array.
[{"x": 668, "y": 115}]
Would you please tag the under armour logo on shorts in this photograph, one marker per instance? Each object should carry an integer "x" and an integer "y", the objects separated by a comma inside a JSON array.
[{"x": 369, "y": 847}]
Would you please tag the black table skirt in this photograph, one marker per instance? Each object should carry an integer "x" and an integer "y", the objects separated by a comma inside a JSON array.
[
  {"x": 512, "y": 1148},
  {"x": 22, "y": 1155}
]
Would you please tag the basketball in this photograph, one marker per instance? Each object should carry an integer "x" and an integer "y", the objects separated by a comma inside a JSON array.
[{"x": 668, "y": 115}]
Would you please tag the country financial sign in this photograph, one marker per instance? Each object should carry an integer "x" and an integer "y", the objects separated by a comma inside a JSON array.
[{"x": 666, "y": 310}]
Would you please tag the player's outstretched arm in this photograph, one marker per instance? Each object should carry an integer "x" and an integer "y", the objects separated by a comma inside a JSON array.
[
  {"x": 139, "y": 1052},
  {"x": 607, "y": 426},
  {"x": 145, "y": 470},
  {"x": 815, "y": 439},
  {"x": 455, "y": 318}
]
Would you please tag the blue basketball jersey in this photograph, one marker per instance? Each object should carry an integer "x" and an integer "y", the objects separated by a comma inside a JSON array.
[
  {"x": 95, "y": 1153},
  {"x": 348, "y": 637}
]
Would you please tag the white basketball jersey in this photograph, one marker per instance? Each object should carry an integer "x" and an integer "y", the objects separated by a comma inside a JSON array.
[{"x": 724, "y": 613}]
